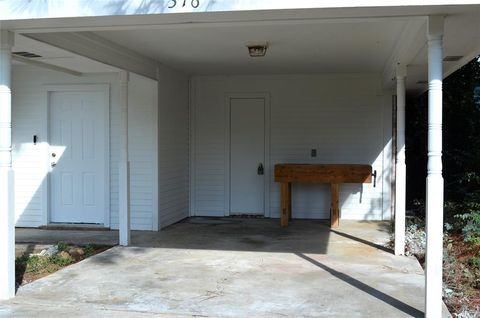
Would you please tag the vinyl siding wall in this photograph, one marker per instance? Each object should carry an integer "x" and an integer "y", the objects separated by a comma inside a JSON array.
[
  {"x": 345, "y": 117},
  {"x": 31, "y": 162},
  {"x": 173, "y": 118}
]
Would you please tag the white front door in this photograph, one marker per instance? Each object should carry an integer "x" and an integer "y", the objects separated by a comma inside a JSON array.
[
  {"x": 247, "y": 156},
  {"x": 77, "y": 155}
]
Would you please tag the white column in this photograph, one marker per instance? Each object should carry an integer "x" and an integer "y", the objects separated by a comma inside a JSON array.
[
  {"x": 434, "y": 200},
  {"x": 7, "y": 222},
  {"x": 400, "y": 167},
  {"x": 124, "y": 165}
]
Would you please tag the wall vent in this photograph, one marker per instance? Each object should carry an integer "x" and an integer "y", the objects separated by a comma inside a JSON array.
[
  {"x": 27, "y": 54},
  {"x": 452, "y": 58}
]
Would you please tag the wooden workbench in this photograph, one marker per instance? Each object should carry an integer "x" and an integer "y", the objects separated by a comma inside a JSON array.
[{"x": 334, "y": 174}]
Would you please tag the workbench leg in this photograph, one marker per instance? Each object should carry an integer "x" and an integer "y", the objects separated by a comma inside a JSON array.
[
  {"x": 289, "y": 200},
  {"x": 335, "y": 210},
  {"x": 284, "y": 204}
]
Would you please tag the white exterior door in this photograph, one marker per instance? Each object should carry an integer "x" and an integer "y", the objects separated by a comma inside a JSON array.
[
  {"x": 247, "y": 155},
  {"x": 77, "y": 155}
]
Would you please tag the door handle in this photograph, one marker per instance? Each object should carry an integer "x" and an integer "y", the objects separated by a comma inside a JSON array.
[{"x": 260, "y": 170}]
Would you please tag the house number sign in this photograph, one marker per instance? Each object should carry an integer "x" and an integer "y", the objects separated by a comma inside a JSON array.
[{"x": 193, "y": 3}]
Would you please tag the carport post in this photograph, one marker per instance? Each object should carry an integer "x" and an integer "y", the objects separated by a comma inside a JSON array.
[
  {"x": 7, "y": 222},
  {"x": 401, "y": 170},
  {"x": 124, "y": 165},
  {"x": 434, "y": 200}
]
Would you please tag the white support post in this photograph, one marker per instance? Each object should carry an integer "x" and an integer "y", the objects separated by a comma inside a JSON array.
[
  {"x": 7, "y": 222},
  {"x": 400, "y": 167},
  {"x": 434, "y": 200},
  {"x": 124, "y": 165}
]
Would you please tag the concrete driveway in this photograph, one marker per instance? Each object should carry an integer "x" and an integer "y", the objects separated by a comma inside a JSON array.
[{"x": 233, "y": 268}]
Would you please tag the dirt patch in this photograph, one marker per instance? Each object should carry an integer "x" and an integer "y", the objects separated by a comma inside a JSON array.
[
  {"x": 461, "y": 274},
  {"x": 32, "y": 265}
]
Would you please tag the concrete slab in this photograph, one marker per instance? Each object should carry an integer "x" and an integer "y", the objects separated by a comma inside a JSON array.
[{"x": 235, "y": 268}]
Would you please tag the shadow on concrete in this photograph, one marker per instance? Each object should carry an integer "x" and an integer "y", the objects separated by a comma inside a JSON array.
[
  {"x": 111, "y": 258},
  {"x": 240, "y": 234},
  {"x": 363, "y": 241},
  {"x": 229, "y": 234},
  {"x": 409, "y": 310},
  {"x": 222, "y": 234}
]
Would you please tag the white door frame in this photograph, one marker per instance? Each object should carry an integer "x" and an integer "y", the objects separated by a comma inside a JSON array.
[
  {"x": 105, "y": 88},
  {"x": 266, "y": 164}
]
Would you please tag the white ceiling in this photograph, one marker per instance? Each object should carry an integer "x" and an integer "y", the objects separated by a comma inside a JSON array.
[{"x": 293, "y": 48}]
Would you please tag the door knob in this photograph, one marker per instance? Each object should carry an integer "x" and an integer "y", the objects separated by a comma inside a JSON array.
[
  {"x": 53, "y": 164},
  {"x": 260, "y": 169}
]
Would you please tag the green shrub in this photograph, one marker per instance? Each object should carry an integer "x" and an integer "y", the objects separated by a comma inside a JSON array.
[
  {"x": 452, "y": 222},
  {"x": 471, "y": 227},
  {"x": 89, "y": 250},
  {"x": 62, "y": 246},
  {"x": 474, "y": 261},
  {"x": 34, "y": 263},
  {"x": 60, "y": 260}
]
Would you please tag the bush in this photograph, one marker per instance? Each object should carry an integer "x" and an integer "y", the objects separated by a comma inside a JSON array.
[
  {"x": 90, "y": 250},
  {"x": 415, "y": 238},
  {"x": 471, "y": 227},
  {"x": 62, "y": 246},
  {"x": 34, "y": 263},
  {"x": 61, "y": 260}
]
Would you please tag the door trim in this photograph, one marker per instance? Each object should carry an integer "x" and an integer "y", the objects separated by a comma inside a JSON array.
[
  {"x": 105, "y": 88},
  {"x": 268, "y": 171}
]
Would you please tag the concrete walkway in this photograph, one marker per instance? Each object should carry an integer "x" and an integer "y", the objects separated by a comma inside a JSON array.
[{"x": 230, "y": 268}]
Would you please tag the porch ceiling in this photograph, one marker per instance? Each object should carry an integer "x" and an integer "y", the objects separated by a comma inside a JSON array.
[{"x": 362, "y": 46}]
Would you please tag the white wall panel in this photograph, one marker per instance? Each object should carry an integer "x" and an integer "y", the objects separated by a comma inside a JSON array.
[{"x": 173, "y": 155}]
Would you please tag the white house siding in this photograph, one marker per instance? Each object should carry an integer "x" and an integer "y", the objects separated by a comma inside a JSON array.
[
  {"x": 31, "y": 162},
  {"x": 342, "y": 116},
  {"x": 142, "y": 146},
  {"x": 173, "y": 118}
]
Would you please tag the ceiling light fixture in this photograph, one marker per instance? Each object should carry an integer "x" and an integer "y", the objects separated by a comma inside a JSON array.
[{"x": 257, "y": 49}]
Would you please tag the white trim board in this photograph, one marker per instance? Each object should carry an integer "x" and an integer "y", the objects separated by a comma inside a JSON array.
[{"x": 88, "y": 10}]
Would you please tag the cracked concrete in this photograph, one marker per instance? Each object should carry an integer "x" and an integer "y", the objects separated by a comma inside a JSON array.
[{"x": 231, "y": 268}]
